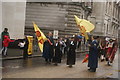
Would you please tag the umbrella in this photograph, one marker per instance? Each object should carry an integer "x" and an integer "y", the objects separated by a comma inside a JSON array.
[{"x": 79, "y": 36}]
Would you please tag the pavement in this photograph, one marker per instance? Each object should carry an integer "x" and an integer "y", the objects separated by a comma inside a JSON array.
[
  {"x": 17, "y": 53},
  {"x": 37, "y": 68}
]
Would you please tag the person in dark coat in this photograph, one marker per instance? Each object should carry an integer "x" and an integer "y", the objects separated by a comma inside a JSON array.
[
  {"x": 25, "y": 49},
  {"x": 58, "y": 54},
  {"x": 76, "y": 39},
  {"x": 5, "y": 32},
  {"x": 48, "y": 48},
  {"x": 66, "y": 40},
  {"x": 93, "y": 55},
  {"x": 79, "y": 43},
  {"x": 102, "y": 47},
  {"x": 71, "y": 55}
]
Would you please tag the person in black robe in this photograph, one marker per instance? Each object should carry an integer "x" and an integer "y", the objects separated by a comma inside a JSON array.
[
  {"x": 102, "y": 47},
  {"x": 48, "y": 48},
  {"x": 25, "y": 49},
  {"x": 58, "y": 54},
  {"x": 67, "y": 42},
  {"x": 93, "y": 55},
  {"x": 79, "y": 43},
  {"x": 71, "y": 55}
]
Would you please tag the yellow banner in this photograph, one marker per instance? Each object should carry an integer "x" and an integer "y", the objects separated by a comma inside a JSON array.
[
  {"x": 87, "y": 25},
  {"x": 83, "y": 32},
  {"x": 30, "y": 46},
  {"x": 84, "y": 26},
  {"x": 40, "y": 36}
]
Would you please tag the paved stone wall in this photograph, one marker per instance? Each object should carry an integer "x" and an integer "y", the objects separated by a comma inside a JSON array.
[{"x": 52, "y": 16}]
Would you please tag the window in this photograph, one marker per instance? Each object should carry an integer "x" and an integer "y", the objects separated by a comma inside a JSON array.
[{"x": 107, "y": 29}]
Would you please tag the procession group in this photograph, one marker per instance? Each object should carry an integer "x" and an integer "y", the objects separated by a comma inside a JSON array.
[
  {"x": 103, "y": 49},
  {"x": 54, "y": 49}
]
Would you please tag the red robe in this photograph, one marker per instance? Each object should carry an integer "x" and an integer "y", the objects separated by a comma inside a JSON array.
[{"x": 114, "y": 50}]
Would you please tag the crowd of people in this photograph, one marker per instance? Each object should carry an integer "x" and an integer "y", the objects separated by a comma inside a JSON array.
[
  {"x": 53, "y": 52},
  {"x": 5, "y": 41},
  {"x": 103, "y": 49},
  {"x": 107, "y": 49},
  {"x": 55, "y": 49},
  {"x": 23, "y": 44},
  {"x": 99, "y": 48}
]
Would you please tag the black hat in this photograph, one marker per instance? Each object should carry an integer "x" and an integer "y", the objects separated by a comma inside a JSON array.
[
  {"x": 95, "y": 37},
  {"x": 5, "y": 28},
  {"x": 55, "y": 39}
]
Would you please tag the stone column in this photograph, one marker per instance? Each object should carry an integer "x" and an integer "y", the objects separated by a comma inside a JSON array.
[
  {"x": 13, "y": 17},
  {"x": 0, "y": 37},
  {"x": 0, "y": 21}
]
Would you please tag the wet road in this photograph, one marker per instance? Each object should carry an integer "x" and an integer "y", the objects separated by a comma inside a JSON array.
[{"x": 37, "y": 68}]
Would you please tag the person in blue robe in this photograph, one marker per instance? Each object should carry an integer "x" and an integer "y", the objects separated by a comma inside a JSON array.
[
  {"x": 48, "y": 48},
  {"x": 93, "y": 54}
]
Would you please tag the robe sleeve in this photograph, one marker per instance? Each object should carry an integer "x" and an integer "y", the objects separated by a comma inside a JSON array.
[{"x": 11, "y": 40}]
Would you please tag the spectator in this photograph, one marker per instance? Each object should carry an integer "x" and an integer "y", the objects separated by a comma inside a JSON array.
[
  {"x": 6, "y": 42},
  {"x": 5, "y": 32}
]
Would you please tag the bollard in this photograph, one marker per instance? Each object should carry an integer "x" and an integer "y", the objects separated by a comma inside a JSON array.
[{"x": 30, "y": 45}]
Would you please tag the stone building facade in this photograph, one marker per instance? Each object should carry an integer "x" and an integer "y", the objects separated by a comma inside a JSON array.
[
  {"x": 112, "y": 14},
  {"x": 54, "y": 16},
  {"x": 50, "y": 16},
  {"x": 105, "y": 16}
]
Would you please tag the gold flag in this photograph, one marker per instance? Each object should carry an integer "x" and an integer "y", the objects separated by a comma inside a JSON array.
[
  {"x": 83, "y": 32},
  {"x": 81, "y": 27},
  {"x": 40, "y": 36},
  {"x": 82, "y": 22}
]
